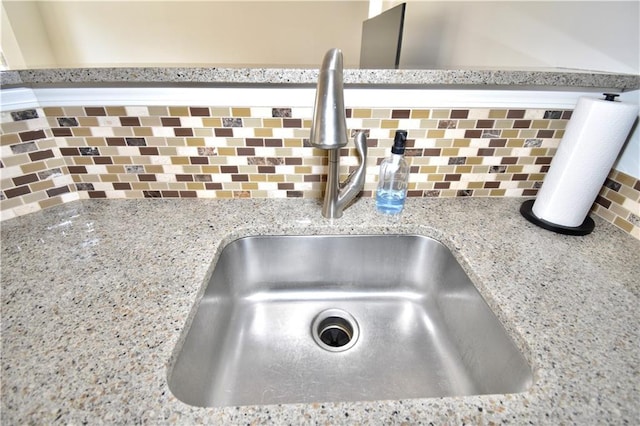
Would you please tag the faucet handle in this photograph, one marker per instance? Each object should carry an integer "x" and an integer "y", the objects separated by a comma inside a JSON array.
[
  {"x": 355, "y": 182},
  {"x": 360, "y": 141}
]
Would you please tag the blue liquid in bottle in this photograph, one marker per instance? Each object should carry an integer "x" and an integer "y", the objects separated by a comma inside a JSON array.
[
  {"x": 394, "y": 175},
  {"x": 390, "y": 201}
]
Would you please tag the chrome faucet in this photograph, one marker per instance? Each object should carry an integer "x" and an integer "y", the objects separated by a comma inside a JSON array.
[{"x": 329, "y": 131}]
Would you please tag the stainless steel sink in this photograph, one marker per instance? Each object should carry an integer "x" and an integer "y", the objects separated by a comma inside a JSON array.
[{"x": 292, "y": 319}]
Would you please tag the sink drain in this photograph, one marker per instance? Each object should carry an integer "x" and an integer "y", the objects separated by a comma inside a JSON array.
[{"x": 335, "y": 330}]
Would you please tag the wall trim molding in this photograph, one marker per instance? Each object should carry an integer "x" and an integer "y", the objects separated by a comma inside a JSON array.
[{"x": 22, "y": 98}]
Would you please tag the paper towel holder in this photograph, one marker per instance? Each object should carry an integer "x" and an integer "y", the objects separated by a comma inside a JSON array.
[{"x": 526, "y": 209}]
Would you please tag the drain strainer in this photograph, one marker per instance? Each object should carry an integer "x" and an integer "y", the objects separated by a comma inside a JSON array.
[{"x": 335, "y": 330}]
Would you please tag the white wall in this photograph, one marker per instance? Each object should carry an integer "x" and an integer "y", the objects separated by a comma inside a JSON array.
[
  {"x": 593, "y": 35},
  {"x": 119, "y": 33},
  {"x": 24, "y": 41},
  {"x": 629, "y": 160}
]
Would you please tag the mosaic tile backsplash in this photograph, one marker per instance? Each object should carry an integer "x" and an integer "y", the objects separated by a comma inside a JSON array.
[{"x": 53, "y": 155}]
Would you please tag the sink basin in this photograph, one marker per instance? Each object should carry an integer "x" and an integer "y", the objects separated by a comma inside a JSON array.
[{"x": 299, "y": 319}]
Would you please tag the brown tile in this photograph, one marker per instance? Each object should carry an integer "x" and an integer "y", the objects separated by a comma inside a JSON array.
[
  {"x": 545, "y": 134},
  {"x": 199, "y": 112},
  {"x": 58, "y": 191},
  {"x": 520, "y": 176},
  {"x": 492, "y": 185},
  {"x": 170, "y": 122},
  {"x": 516, "y": 113},
  {"x": 432, "y": 152},
  {"x": 228, "y": 169},
  {"x": 529, "y": 192},
  {"x": 273, "y": 142},
  {"x": 102, "y": 160},
  {"x": 62, "y": 132},
  {"x": 32, "y": 135},
  {"x": 543, "y": 160},
  {"x": 41, "y": 155},
  {"x": 509, "y": 160},
  {"x": 148, "y": 150},
  {"x": 473, "y": 134},
  {"x": 452, "y": 177},
  {"x": 266, "y": 169},
  {"x": 292, "y": 122},
  {"x": 401, "y": 113},
  {"x": 121, "y": 186},
  {"x": 95, "y": 112},
  {"x": 254, "y": 142},
  {"x": 130, "y": 121},
  {"x": 240, "y": 178},
  {"x": 188, "y": 194},
  {"x": 521, "y": 124},
  {"x": 603, "y": 201},
  {"x": 442, "y": 185},
  {"x": 97, "y": 194},
  {"x": 199, "y": 160},
  {"x": 77, "y": 169},
  {"x": 147, "y": 178},
  {"x": 459, "y": 113},
  {"x": 213, "y": 186},
  {"x": 485, "y": 124},
  {"x": 16, "y": 192},
  {"x": 183, "y": 131},
  {"x": 285, "y": 186},
  {"x": 25, "y": 179},
  {"x": 116, "y": 142},
  {"x": 486, "y": 152},
  {"x": 246, "y": 151},
  {"x": 312, "y": 178},
  {"x": 223, "y": 132}
]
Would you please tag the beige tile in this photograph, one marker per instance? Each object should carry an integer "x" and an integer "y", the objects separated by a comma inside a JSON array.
[
  {"x": 382, "y": 113},
  {"x": 241, "y": 112},
  {"x": 34, "y": 167},
  {"x": 361, "y": 113},
  {"x": 420, "y": 113},
  {"x": 178, "y": 111},
  {"x": 623, "y": 224}
]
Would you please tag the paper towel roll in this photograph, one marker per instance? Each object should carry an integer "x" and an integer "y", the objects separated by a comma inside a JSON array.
[{"x": 593, "y": 138}]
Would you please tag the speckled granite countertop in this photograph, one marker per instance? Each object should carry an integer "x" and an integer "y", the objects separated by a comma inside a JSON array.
[
  {"x": 564, "y": 78},
  {"x": 95, "y": 295}
]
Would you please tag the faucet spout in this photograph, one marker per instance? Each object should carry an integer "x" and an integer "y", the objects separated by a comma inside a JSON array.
[
  {"x": 329, "y": 132},
  {"x": 329, "y": 128}
]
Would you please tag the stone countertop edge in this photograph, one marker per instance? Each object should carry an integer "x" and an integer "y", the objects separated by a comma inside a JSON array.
[
  {"x": 559, "y": 78},
  {"x": 96, "y": 295}
]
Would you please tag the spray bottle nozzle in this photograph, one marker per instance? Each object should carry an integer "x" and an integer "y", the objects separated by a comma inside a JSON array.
[
  {"x": 399, "y": 142},
  {"x": 610, "y": 96}
]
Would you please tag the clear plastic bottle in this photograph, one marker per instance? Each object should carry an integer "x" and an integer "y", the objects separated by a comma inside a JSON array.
[{"x": 394, "y": 175}]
